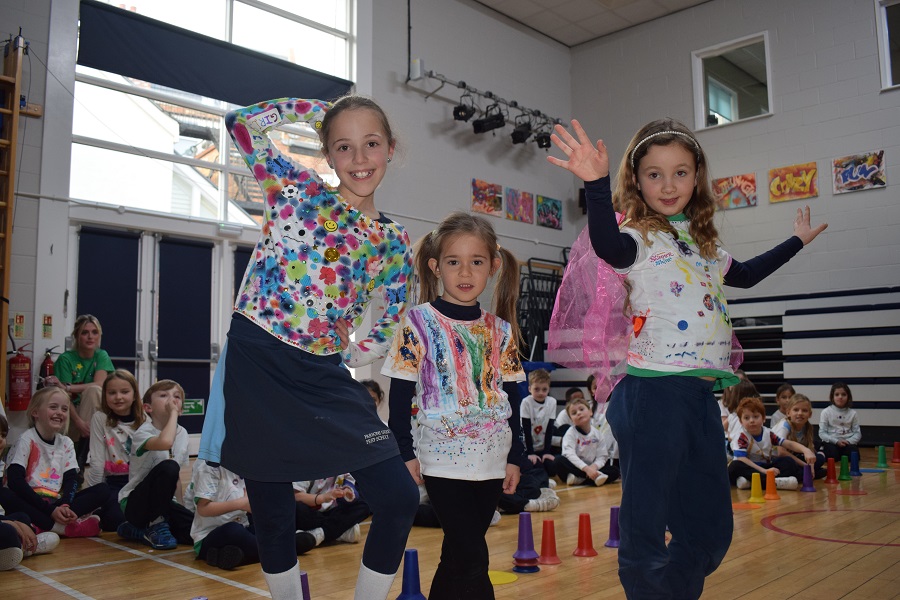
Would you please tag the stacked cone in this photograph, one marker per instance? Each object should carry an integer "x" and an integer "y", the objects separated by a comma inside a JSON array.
[
  {"x": 412, "y": 588},
  {"x": 613, "y": 541},
  {"x": 548, "y": 545},
  {"x": 585, "y": 539},
  {"x": 845, "y": 470},
  {"x": 771, "y": 490},
  {"x": 525, "y": 559},
  {"x": 830, "y": 476},
  {"x": 756, "y": 495}
]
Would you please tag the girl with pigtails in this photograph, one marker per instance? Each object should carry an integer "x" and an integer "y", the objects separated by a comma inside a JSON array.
[{"x": 460, "y": 365}]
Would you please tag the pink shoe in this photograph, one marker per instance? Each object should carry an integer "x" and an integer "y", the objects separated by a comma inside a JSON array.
[{"x": 84, "y": 527}]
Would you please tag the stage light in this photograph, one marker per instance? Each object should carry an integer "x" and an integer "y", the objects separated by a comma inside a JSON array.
[
  {"x": 522, "y": 130},
  {"x": 542, "y": 139},
  {"x": 465, "y": 110},
  {"x": 493, "y": 118}
]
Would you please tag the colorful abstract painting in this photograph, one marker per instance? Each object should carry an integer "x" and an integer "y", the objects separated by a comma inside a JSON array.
[
  {"x": 519, "y": 205},
  {"x": 738, "y": 191},
  {"x": 549, "y": 212},
  {"x": 859, "y": 172},
  {"x": 794, "y": 182},
  {"x": 487, "y": 198}
]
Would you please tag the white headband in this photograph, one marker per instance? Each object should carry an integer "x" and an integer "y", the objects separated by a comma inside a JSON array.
[{"x": 667, "y": 132}]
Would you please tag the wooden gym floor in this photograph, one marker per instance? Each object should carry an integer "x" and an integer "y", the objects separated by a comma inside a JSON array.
[{"x": 843, "y": 541}]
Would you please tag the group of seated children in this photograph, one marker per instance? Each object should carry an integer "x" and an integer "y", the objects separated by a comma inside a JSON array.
[{"x": 790, "y": 443}]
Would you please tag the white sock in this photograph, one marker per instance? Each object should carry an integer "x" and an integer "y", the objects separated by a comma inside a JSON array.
[
  {"x": 58, "y": 529},
  {"x": 286, "y": 585},
  {"x": 371, "y": 585},
  {"x": 319, "y": 534}
]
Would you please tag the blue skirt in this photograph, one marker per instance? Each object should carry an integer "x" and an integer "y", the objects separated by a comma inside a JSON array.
[{"x": 289, "y": 415}]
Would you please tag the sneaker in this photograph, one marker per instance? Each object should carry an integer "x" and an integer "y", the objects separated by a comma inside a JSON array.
[
  {"x": 226, "y": 557},
  {"x": 159, "y": 537},
  {"x": 552, "y": 483},
  {"x": 351, "y": 536},
  {"x": 572, "y": 479},
  {"x": 601, "y": 479},
  {"x": 543, "y": 504},
  {"x": 548, "y": 493},
  {"x": 304, "y": 542},
  {"x": 496, "y": 518},
  {"x": 46, "y": 542},
  {"x": 742, "y": 483},
  {"x": 10, "y": 558},
  {"x": 84, "y": 527},
  {"x": 786, "y": 483},
  {"x": 130, "y": 532}
]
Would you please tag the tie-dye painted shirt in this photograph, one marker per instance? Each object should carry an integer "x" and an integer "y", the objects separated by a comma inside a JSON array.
[
  {"x": 318, "y": 258},
  {"x": 680, "y": 314},
  {"x": 459, "y": 368},
  {"x": 44, "y": 464}
]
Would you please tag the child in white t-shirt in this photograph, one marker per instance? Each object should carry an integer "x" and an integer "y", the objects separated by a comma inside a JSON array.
[
  {"x": 330, "y": 509},
  {"x": 584, "y": 458},
  {"x": 538, "y": 412}
]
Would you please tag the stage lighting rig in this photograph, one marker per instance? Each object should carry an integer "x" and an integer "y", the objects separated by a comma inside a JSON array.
[
  {"x": 522, "y": 130},
  {"x": 465, "y": 110},
  {"x": 493, "y": 119}
]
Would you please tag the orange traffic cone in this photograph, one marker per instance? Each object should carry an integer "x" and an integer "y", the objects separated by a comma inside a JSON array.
[{"x": 771, "y": 490}]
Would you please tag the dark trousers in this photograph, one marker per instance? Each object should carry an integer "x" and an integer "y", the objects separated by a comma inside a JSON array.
[
  {"x": 836, "y": 452},
  {"x": 152, "y": 499},
  {"x": 787, "y": 467},
  {"x": 9, "y": 536},
  {"x": 95, "y": 499},
  {"x": 465, "y": 509},
  {"x": 564, "y": 467},
  {"x": 389, "y": 491},
  {"x": 231, "y": 534},
  {"x": 673, "y": 474},
  {"x": 334, "y": 521},
  {"x": 533, "y": 478}
]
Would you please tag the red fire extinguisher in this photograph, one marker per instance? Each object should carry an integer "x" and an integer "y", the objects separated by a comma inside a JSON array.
[
  {"x": 19, "y": 379},
  {"x": 46, "y": 368}
]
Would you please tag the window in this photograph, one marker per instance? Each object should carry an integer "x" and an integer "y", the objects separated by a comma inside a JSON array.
[
  {"x": 143, "y": 145},
  {"x": 887, "y": 17},
  {"x": 731, "y": 81}
]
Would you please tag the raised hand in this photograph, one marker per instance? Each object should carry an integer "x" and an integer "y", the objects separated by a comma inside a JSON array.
[
  {"x": 803, "y": 229},
  {"x": 584, "y": 160}
]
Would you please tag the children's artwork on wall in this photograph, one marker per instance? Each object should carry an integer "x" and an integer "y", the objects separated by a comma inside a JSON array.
[
  {"x": 487, "y": 198},
  {"x": 859, "y": 172},
  {"x": 549, "y": 212},
  {"x": 519, "y": 205},
  {"x": 794, "y": 182},
  {"x": 738, "y": 191}
]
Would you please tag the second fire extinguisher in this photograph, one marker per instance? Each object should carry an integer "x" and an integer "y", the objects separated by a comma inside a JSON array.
[{"x": 46, "y": 368}]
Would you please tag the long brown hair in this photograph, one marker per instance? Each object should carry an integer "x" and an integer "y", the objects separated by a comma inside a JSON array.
[
  {"x": 353, "y": 102},
  {"x": 137, "y": 408},
  {"x": 701, "y": 208},
  {"x": 506, "y": 284}
]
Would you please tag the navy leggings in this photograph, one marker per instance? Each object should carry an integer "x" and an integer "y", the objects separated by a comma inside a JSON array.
[
  {"x": 9, "y": 536},
  {"x": 231, "y": 534},
  {"x": 152, "y": 498},
  {"x": 96, "y": 498},
  {"x": 388, "y": 489}
]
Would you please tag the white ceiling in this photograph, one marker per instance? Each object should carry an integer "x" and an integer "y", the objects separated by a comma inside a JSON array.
[{"x": 573, "y": 22}]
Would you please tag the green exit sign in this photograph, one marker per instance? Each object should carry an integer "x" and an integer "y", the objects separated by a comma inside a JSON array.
[{"x": 193, "y": 406}]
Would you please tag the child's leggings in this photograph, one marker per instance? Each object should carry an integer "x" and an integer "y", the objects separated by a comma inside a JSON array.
[
  {"x": 836, "y": 452},
  {"x": 96, "y": 498},
  {"x": 334, "y": 521},
  {"x": 674, "y": 474},
  {"x": 389, "y": 491},
  {"x": 465, "y": 509},
  {"x": 231, "y": 534},
  {"x": 9, "y": 537},
  {"x": 152, "y": 499}
]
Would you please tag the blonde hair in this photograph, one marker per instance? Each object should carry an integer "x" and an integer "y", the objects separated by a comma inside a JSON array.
[
  {"x": 701, "y": 208},
  {"x": 137, "y": 411},
  {"x": 506, "y": 286},
  {"x": 807, "y": 431},
  {"x": 41, "y": 397},
  {"x": 583, "y": 401},
  {"x": 160, "y": 386},
  {"x": 539, "y": 376},
  {"x": 80, "y": 322}
]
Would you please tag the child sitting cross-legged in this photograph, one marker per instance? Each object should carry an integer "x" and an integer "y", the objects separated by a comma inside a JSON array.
[
  {"x": 756, "y": 451},
  {"x": 538, "y": 412},
  {"x": 584, "y": 455},
  {"x": 330, "y": 509}
]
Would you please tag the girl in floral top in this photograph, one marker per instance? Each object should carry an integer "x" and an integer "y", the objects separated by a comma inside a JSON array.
[{"x": 323, "y": 254}]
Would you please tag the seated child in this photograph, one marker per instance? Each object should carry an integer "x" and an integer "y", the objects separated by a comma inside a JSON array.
[
  {"x": 120, "y": 415},
  {"x": 839, "y": 424},
  {"x": 782, "y": 396},
  {"x": 42, "y": 475},
  {"x": 562, "y": 422},
  {"x": 538, "y": 411},
  {"x": 584, "y": 459},
  {"x": 381, "y": 407},
  {"x": 797, "y": 428},
  {"x": 330, "y": 509},
  {"x": 755, "y": 451},
  {"x": 159, "y": 450}
]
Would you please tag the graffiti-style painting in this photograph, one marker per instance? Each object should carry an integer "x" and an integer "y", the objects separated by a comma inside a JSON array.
[
  {"x": 859, "y": 172},
  {"x": 519, "y": 205},
  {"x": 738, "y": 191},
  {"x": 549, "y": 212},
  {"x": 794, "y": 182},
  {"x": 487, "y": 198}
]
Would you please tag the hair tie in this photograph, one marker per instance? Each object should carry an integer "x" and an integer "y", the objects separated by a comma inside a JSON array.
[{"x": 666, "y": 132}]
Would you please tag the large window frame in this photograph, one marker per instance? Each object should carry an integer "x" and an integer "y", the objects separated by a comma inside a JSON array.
[
  {"x": 701, "y": 77},
  {"x": 887, "y": 27}
]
